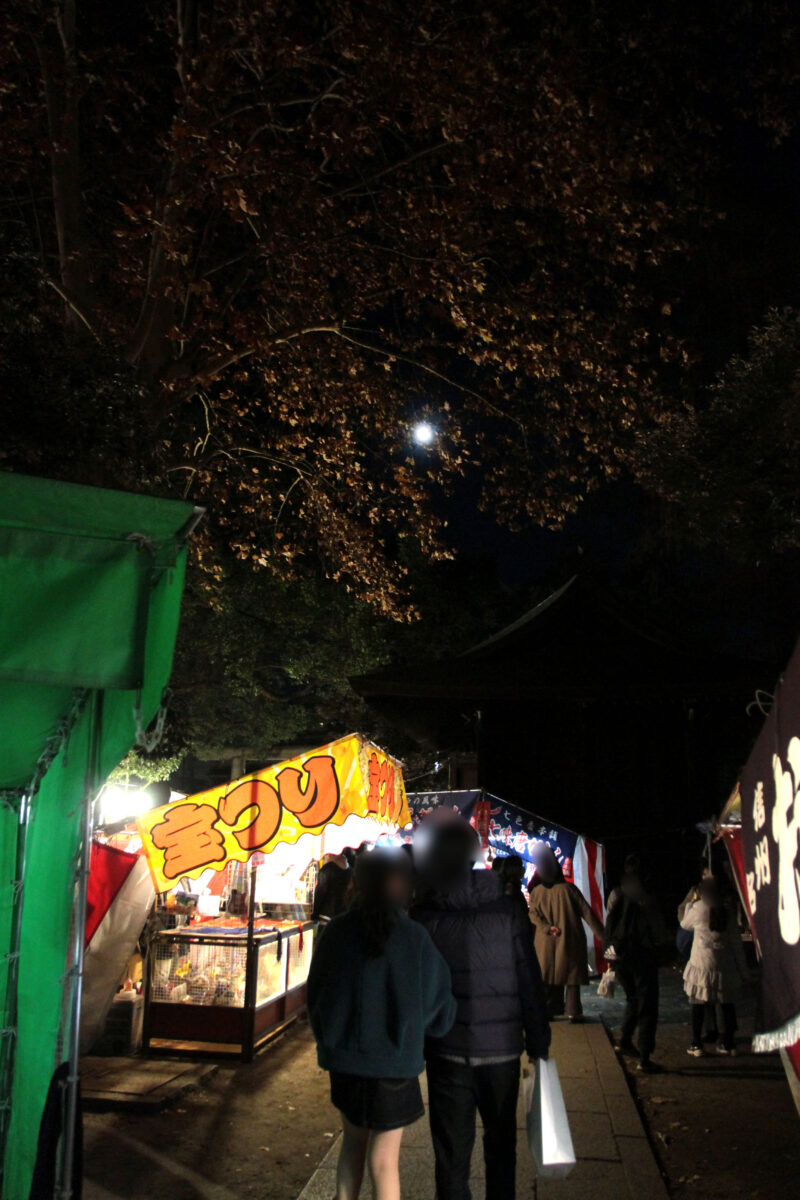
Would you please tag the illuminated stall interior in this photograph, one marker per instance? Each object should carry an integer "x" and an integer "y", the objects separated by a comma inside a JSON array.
[{"x": 230, "y": 980}]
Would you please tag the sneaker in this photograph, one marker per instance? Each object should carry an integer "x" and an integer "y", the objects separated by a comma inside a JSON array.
[
  {"x": 696, "y": 1051},
  {"x": 649, "y": 1068},
  {"x": 721, "y": 1049},
  {"x": 623, "y": 1046}
]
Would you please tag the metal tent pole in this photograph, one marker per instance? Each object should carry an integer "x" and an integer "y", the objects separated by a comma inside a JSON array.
[
  {"x": 8, "y": 1032},
  {"x": 251, "y": 978},
  {"x": 24, "y": 805},
  {"x": 64, "y": 1187}
]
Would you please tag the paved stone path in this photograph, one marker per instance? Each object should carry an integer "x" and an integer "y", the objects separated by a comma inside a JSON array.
[{"x": 614, "y": 1154}]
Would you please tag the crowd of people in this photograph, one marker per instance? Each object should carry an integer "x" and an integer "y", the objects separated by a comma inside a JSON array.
[
  {"x": 432, "y": 966},
  {"x": 424, "y": 963}
]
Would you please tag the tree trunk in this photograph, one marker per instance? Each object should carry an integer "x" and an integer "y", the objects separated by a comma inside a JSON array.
[
  {"x": 149, "y": 348},
  {"x": 59, "y": 69}
]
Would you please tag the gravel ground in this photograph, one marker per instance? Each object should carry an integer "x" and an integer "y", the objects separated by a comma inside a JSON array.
[{"x": 722, "y": 1128}]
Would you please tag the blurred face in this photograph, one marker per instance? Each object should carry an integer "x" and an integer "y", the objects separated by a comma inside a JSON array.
[
  {"x": 546, "y": 865},
  {"x": 708, "y": 890},
  {"x": 398, "y": 888}
]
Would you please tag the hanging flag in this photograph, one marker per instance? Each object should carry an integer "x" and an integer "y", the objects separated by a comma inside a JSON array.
[
  {"x": 508, "y": 829},
  {"x": 481, "y": 819}
]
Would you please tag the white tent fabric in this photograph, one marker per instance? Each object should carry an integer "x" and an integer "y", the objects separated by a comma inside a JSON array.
[{"x": 113, "y": 943}]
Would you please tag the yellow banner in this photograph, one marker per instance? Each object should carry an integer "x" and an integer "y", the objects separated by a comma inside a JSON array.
[{"x": 279, "y": 804}]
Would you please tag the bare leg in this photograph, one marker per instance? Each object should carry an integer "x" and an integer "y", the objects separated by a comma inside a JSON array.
[
  {"x": 352, "y": 1156},
  {"x": 383, "y": 1159},
  {"x": 574, "y": 1008}
]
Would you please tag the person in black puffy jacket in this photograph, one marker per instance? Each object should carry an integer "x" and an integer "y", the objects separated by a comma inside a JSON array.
[{"x": 485, "y": 938}]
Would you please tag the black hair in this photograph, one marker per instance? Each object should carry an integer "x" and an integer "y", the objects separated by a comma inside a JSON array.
[
  {"x": 373, "y": 901},
  {"x": 713, "y": 896},
  {"x": 445, "y": 850},
  {"x": 511, "y": 870}
]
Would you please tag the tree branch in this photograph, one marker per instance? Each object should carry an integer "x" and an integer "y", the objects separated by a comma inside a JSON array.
[
  {"x": 58, "y": 65},
  {"x": 421, "y": 366},
  {"x": 73, "y": 307},
  {"x": 404, "y": 162}
]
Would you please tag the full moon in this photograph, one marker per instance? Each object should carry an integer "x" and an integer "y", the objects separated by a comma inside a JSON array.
[{"x": 423, "y": 433}]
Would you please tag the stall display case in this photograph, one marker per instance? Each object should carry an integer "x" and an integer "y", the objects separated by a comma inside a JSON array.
[{"x": 206, "y": 994}]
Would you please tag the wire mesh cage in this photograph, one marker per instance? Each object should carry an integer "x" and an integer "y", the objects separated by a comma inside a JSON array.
[
  {"x": 271, "y": 970},
  {"x": 206, "y": 972},
  {"x": 298, "y": 950}
]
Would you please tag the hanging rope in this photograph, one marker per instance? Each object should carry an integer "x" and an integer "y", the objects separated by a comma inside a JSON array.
[
  {"x": 763, "y": 702},
  {"x": 142, "y": 542},
  {"x": 148, "y": 741},
  {"x": 59, "y": 739}
]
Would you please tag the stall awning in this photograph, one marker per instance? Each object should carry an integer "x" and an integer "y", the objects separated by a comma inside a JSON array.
[
  {"x": 90, "y": 589},
  {"x": 275, "y": 806}
]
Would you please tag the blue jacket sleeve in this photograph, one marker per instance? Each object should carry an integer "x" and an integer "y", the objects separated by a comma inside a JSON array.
[
  {"x": 531, "y": 988},
  {"x": 438, "y": 1003}
]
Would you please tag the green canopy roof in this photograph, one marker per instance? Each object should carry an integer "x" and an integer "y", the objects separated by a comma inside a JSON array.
[{"x": 90, "y": 589}]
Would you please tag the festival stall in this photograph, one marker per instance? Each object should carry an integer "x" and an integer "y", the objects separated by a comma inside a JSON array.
[
  {"x": 90, "y": 591},
  {"x": 228, "y": 983},
  {"x": 506, "y": 829},
  {"x": 760, "y": 826}
]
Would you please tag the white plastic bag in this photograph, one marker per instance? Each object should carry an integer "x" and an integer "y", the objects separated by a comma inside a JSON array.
[
  {"x": 548, "y": 1128},
  {"x": 608, "y": 984}
]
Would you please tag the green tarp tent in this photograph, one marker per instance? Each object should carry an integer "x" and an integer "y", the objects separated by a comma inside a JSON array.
[{"x": 90, "y": 591}]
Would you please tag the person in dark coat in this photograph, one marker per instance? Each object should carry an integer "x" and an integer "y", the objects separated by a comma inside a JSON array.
[
  {"x": 634, "y": 935},
  {"x": 485, "y": 938},
  {"x": 329, "y": 893},
  {"x": 511, "y": 870},
  {"x": 333, "y": 886},
  {"x": 377, "y": 985}
]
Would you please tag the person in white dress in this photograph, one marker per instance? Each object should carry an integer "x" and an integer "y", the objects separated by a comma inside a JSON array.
[{"x": 716, "y": 968}]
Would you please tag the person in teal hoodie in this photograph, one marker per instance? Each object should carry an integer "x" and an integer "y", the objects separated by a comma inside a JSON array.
[{"x": 377, "y": 987}]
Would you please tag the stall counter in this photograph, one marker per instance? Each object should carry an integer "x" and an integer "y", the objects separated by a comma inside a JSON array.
[{"x": 205, "y": 994}]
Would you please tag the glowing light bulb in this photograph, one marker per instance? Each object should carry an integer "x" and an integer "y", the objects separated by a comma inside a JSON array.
[{"x": 424, "y": 433}]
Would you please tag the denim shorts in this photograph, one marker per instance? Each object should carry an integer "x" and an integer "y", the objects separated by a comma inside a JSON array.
[{"x": 378, "y": 1104}]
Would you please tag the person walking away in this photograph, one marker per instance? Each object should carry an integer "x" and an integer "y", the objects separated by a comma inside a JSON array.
[
  {"x": 377, "y": 985},
  {"x": 716, "y": 966},
  {"x": 511, "y": 871},
  {"x": 485, "y": 938},
  {"x": 634, "y": 935},
  {"x": 558, "y": 910}
]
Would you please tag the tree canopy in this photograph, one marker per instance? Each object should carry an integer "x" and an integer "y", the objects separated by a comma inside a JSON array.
[{"x": 729, "y": 466}]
